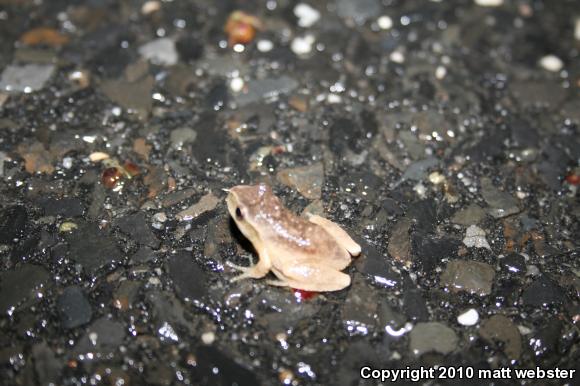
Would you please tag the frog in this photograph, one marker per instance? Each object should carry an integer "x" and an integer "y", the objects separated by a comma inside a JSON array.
[{"x": 305, "y": 253}]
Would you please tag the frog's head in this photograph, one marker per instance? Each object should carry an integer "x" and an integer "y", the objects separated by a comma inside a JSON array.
[{"x": 247, "y": 205}]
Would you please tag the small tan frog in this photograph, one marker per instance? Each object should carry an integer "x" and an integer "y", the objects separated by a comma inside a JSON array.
[{"x": 306, "y": 254}]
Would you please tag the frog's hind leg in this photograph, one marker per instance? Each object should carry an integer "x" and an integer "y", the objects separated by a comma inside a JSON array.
[
  {"x": 312, "y": 276},
  {"x": 255, "y": 271},
  {"x": 341, "y": 237}
]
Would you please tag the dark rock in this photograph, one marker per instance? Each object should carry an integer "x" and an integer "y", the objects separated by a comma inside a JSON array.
[
  {"x": 545, "y": 343},
  {"x": 414, "y": 305},
  {"x": 215, "y": 368},
  {"x": 20, "y": 284},
  {"x": 137, "y": 226},
  {"x": 188, "y": 278},
  {"x": 360, "y": 307},
  {"x": 501, "y": 329},
  {"x": 218, "y": 96},
  {"x": 67, "y": 207},
  {"x": 103, "y": 337},
  {"x": 143, "y": 255},
  {"x": 375, "y": 265},
  {"x": 470, "y": 276},
  {"x": 513, "y": 264},
  {"x": 46, "y": 364},
  {"x": 74, "y": 308},
  {"x": 430, "y": 252},
  {"x": 424, "y": 213},
  {"x": 189, "y": 48},
  {"x": 281, "y": 311},
  {"x": 12, "y": 223},
  {"x": 93, "y": 248},
  {"x": 543, "y": 292}
]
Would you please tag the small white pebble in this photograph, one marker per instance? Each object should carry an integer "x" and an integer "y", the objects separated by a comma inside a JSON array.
[
  {"x": 98, "y": 156},
  {"x": 265, "y": 45},
  {"x": 67, "y": 162},
  {"x": 551, "y": 63},
  {"x": 306, "y": 15},
  {"x": 397, "y": 57},
  {"x": 489, "y": 3},
  {"x": 524, "y": 330},
  {"x": 420, "y": 190},
  {"x": 333, "y": 98},
  {"x": 302, "y": 45},
  {"x": 521, "y": 195},
  {"x": 237, "y": 84},
  {"x": 577, "y": 29},
  {"x": 385, "y": 22},
  {"x": 475, "y": 237},
  {"x": 436, "y": 178},
  {"x": 208, "y": 337},
  {"x": 160, "y": 217},
  {"x": 468, "y": 318},
  {"x": 154, "y": 281},
  {"x": 440, "y": 72}
]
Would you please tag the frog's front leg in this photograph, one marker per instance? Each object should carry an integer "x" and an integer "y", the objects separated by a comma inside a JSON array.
[{"x": 255, "y": 271}]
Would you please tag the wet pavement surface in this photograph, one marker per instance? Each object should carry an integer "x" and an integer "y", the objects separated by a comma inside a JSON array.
[{"x": 443, "y": 135}]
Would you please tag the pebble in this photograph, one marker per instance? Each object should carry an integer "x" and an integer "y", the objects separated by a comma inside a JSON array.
[
  {"x": 501, "y": 204},
  {"x": 440, "y": 72},
  {"x": 385, "y": 22},
  {"x": 397, "y": 57},
  {"x": 468, "y": 318},
  {"x": 181, "y": 136},
  {"x": 188, "y": 278},
  {"x": 432, "y": 337},
  {"x": 307, "y": 180},
  {"x": 160, "y": 217},
  {"x": 302, "y": 45},
  {"x": 265, "y": 45},
  {"x": 20, "y": 284},
  {"x": 205, "y": 204},
  {"x": 543, "y": 292},
  {"x": 160, "y": 51},
  {"x": 502, "y": 329},
  {"x": 473, "y": 214},
  {"x": 74, "y": 308},
  {"x": 577, "y": 28},
  {"x": 26, "y": 78},
  {"x": 475, "y": 237},
  {"x": 359, "y": 308},
  {"x": 93, "y": 247},
  {"x": 137, "y": 227},
  {"x": 237, "y": 84},
  {"x": 399, "y": 242},
  {"x": 208, "y": 337},
  {"x": 436, "y": 178},
  {"x": 103, "y": 336},
  {"x": 469, "y": 276},
  {"x": 551, "y": 63},
  {"x": 150, "y": 7},
  {"x": 268, "y": 88},
  {"x": 489, "y": 3},
  {"x": 307, "y": 16},
  {"x": 360, "y": 10}
]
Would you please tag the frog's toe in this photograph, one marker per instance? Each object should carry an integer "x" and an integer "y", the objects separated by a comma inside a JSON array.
[{"x": 252, "y": 272}]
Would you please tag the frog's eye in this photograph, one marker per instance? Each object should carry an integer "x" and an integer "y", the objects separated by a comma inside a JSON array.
[{"x": 239, "y": 214}]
